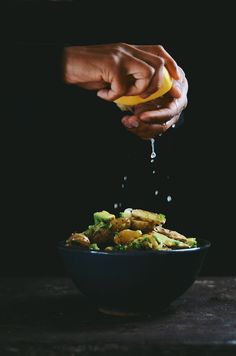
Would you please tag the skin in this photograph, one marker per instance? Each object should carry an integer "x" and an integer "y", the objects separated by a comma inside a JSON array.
[
  {"x": 156, "y": 117},
  {"x": 118, "y": 69}
]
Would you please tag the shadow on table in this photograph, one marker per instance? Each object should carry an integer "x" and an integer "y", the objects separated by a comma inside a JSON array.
[{"x": 65, "y": 313}]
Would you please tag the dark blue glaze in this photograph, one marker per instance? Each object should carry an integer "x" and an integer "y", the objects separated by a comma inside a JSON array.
[{"x": 133, "y": 280}]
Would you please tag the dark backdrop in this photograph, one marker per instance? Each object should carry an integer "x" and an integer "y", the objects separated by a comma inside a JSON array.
[{"x": 65, "y": 153}]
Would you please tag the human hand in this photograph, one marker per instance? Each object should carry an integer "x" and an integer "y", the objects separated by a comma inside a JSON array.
[
  {"x": 157, "y": 116},
  {"x": 117, "y": 69}
]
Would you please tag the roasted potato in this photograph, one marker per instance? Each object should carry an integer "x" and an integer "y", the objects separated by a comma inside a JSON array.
[
  {"x": 78, "y": 239},
  {"x": 119, "y": 224},
  {"x": 126, "y": 236},
  {"x": 144, "y": 226},
  {"x": 145, "y": 215},
  {"x": 102, "y": 237}
]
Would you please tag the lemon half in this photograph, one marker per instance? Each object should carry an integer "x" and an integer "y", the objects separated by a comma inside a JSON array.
[{"x": 125, "y": 102}]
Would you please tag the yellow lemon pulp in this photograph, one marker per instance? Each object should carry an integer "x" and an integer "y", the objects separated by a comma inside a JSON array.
[{"x": 132, "y": 100}]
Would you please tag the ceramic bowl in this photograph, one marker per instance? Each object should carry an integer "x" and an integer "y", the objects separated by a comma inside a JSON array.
[{"x": 133, "y": 281}]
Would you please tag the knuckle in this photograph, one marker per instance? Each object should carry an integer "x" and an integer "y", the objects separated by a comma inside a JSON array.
[
  {"x": 115, "y": 57},
  {"x": 121, "y": 46},
  {"x": 149, "y": 71},
  {"x": 161, "y": 61},
  {"x": 68, "y": 77},
  {"x": 160, "y": 48}
]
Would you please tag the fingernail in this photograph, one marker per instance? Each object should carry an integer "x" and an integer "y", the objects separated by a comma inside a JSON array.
[
  {"x": 166, "y": 123},
  {"x": 127, "y": 124},
  {"x": 135, "y": 124}
]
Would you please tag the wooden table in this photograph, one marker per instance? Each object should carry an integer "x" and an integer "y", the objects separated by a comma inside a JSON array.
[{"x": 48, "y": 316}]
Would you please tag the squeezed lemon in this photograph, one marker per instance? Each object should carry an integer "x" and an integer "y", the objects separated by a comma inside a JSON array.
[{"x": 124, "y": 102}]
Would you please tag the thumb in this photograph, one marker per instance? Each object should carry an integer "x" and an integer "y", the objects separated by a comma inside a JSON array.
[{"x": 107, "y": 94}]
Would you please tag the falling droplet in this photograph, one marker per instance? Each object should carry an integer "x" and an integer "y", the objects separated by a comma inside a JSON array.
[
  {"x": 156, "y": 192},
  {"x": 120, "y": 205},
  {"x": 125, "y": 178},
  {"x": 122, "y": 186},
  {"x": 115, "y": 205},
  {"x": 169, "y": 198},
  {"x": 153, "y": 172},
  {"x": 152, "y": 160},
  {"x": 153, "y": 154},
  {"x": 173, "y": 126}
]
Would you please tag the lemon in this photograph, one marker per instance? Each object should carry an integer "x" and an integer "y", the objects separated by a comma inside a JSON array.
[{"x": 126, "y": 101}]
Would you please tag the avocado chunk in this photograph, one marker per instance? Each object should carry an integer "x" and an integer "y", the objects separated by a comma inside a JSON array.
[
  {"x": 102, "y": 216},
  {"x": 192, "y": 242}
]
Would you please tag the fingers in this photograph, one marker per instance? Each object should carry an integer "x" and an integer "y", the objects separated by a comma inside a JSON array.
[
  {"x": 169, "y": 62},
  {"x": 172, "y": 104},
  {"x": 179, "y": 86},
  {"x": 130, "y": 121},
  {"x": 156, "y": 117},
  {"x": 117, "y": 88},
  {"x": 117, "y": 69},
  {"x": 155, "y": 62},
  {"x": 144, "y": 130},
  {"x": 155, "y": 83},
  {"x": 175, "y": 91},
  {"x": 130, "y": 76},
  {"x": 160, "y": 116},
  {"x": 141, "y": 73}
]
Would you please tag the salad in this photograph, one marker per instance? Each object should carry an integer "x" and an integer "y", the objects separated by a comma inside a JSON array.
[{"x": 133, "y": 229}]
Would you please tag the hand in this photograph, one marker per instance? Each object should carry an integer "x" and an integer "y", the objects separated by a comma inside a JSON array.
[
  {"x": 155, "y": 117},
  {"x": 117, "y": 69}
]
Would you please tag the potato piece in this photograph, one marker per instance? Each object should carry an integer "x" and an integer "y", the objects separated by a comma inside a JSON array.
[
  {"x": 78, "y": 239},
  {"x": 109, "y": 248},
  {"x": 126, "y": 236},
  {"x": 170, "y": 233},
  {"x": 144, "y": 226},
  {"x": 120, "y": 224},
  {"x": 103, "y": 237},
  {"x": 145, "y": 215},
  {"x": 166, "y": 241},
  {"x": 155, "y": 245}
]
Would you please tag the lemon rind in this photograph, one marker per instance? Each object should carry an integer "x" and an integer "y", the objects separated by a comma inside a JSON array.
[{"x": 132, "y": 100}]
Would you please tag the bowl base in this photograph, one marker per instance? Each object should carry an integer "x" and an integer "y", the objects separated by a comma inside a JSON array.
[
  {"x": 120, "y": 313},
  {"x": 126, "y": 312}
]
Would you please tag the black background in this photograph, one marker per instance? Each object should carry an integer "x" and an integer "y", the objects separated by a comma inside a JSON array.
[{"x": 64, "y": 152}]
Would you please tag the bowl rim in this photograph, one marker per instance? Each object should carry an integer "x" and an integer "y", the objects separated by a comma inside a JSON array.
[{"x": 205, "y": 245}]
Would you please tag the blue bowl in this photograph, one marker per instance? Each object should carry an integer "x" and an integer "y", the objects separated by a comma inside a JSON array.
[{"x": 133, "y": 281}]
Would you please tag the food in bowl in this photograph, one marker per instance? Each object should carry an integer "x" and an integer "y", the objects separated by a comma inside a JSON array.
[
  {"x": 131, "y": 263},
  {"x": 133, "y": 229}
]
